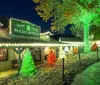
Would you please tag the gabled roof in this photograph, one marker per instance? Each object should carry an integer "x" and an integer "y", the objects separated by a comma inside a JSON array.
[
  {"x": 24, "y": 40},
  {"x": 46, "y": 33},
  {"x": 21, "y": 42},
  {"x": 70, "y": 39}
]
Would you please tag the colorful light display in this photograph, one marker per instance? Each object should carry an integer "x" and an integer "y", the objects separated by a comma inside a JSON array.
[
  {"x": 51, "y": 57},
  {"x": 94, "y": 47},
  {"x": 61, "y": 53},
  {"x": 28, "y": 66}
]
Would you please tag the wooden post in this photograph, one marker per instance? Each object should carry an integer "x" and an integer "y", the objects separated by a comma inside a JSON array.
[
  {"x": 19, "y": 61},
  {"x": 19, "y": 51}
]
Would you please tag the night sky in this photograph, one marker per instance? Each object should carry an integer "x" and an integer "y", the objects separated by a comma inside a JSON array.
[{"x": 25, "y": 10}]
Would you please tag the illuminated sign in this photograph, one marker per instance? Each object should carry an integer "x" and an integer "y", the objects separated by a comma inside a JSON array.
[{"x": 23, "y": 28}]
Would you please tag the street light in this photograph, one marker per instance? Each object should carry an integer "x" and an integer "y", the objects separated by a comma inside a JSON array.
[
  {"x": 62, "y": 56},
  {"x": 63, "y": 69}
]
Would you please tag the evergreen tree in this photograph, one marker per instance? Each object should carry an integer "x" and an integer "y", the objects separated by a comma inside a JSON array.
[
  {"x": 61, "y": 53},
  {"x": 84, "y": 13},
  {"x": 28, "y": 67},
  {"x": 51, "y": 57}
]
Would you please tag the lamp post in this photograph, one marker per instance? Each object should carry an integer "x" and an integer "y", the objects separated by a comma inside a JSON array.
[
  {"x": 62, "y": 55},
  {"x": 63, "y": 69},
  {"x": 79, "y": 58},
  {"x": 97, "y": 54}
]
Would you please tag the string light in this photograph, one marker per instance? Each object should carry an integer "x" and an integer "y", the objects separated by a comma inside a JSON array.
[
  {"x": 42, "y": 44},
  {"x": 33, "y": 44}
]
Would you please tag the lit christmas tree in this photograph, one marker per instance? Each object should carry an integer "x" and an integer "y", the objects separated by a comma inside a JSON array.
[
  {"x": 66, "y": 49},
  {"x": 61, "y": 53},
  {"x": 28, "y": 67},
  {"x": 51, "y": 58},
  {"x": 75, "y": 50},
  {"x": 94, "y": 47}
]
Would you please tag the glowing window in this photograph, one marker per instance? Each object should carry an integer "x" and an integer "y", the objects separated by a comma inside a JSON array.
[{"x": 3, "y": 54}]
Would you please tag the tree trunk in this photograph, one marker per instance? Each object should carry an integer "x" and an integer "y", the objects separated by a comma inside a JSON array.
[{"x": 86, "y": 38}]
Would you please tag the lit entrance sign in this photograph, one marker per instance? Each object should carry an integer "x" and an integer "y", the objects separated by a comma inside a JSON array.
[{"x": 21, "y": 28}]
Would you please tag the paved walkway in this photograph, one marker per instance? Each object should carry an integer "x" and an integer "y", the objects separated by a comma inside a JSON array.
[
  {"x": 11, "y": 72},
  {"x": 91, "y": 76},
  {"x": 7, "y": 73}
]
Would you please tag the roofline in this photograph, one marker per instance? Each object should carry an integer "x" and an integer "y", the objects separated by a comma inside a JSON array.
[{"x": 13, "y": 45}]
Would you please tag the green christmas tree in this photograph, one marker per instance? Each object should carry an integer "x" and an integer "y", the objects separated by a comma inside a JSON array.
[{"x": 28, "y": 66}]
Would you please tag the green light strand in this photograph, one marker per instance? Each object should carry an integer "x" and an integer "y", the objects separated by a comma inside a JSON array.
[
  {"x": 86, "y": 38},
  {"x": 86, "y": 19}
]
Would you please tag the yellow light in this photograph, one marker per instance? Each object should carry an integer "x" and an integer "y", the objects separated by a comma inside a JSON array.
[
  {"x": 46, "y": 50},
  {"x": 61, "y": 53},
  {"x": 34, "y": 44}
]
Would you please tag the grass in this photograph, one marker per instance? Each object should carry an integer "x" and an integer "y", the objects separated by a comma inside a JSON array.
[{"x": 52, "y": 75}]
